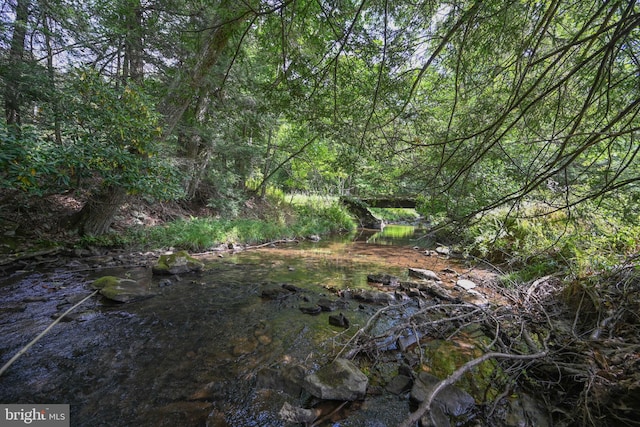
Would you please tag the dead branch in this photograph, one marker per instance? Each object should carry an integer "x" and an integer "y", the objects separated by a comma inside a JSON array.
[
  {"x": 362, "y": 330},
  {"x": 43, "y": 333},
  {"x": 425, "y": 406}
]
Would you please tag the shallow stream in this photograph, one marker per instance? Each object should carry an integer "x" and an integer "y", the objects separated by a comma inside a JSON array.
[{"x": 190, "y": 355}]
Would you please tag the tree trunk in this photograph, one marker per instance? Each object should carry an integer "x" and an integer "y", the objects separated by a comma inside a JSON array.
[
  {"x": 52, "y": 80},
  {"x": 16, "y": 55},
  {"x": 97, "y": 215},
  {"x": 186, "y": 86},
  {"x": 133, "y": 64}
]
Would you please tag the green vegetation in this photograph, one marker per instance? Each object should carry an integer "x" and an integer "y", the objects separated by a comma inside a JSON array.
[
  {"x": 395, "y": 214},
  {"x": 279, "y": 220},
  {"x": 523, "y": 114},
  {"x": 536, "y": 241}
]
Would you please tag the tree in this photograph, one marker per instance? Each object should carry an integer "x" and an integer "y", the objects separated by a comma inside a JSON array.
[
  {"x": 15, "y": 65},
  {"x": 116, "y": 142},
  {"x": 98, "y": 212}
]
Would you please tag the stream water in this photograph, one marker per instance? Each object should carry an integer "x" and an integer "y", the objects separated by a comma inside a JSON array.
[{"x": 190, "y": 355}]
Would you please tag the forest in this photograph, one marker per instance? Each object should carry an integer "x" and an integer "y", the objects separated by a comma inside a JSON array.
[
  {"x": 468, "y": 106},
  {"x": 514, "y": 125}
]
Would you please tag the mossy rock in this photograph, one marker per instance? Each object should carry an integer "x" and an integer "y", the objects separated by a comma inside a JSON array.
[
  {"x": 177, "y": 263},
  {"x": 105, "y": 281},
  {"x": 340, "y": 380},
  {"x": 121, "y": 290}
]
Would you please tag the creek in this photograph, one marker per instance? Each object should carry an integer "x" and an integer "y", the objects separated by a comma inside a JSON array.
[{"x": 193, "y": 353}]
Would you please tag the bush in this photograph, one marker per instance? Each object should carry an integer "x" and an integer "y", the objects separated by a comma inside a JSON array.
[{"x": 536, "y": 241}]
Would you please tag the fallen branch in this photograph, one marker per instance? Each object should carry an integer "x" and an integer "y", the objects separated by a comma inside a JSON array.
[
  {"x": 453, "y": 378},
  {"x": 43, "y": 333},
  {"x": 274, "y": 242},
  {"x": 28, "y": 255},
  {"x": 364, "y": 329}
]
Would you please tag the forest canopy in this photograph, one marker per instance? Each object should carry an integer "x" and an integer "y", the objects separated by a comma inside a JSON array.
[{"x": 465, "y": 105}]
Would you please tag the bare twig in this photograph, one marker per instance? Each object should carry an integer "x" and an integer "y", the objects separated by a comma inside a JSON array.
[{"x": 365, "y": 328}]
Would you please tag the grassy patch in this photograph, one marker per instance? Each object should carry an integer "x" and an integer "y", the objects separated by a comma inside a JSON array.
[{"x": 273, "y": 219}]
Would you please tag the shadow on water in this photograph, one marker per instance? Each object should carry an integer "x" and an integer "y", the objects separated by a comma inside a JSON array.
[{"x": 190, "y": 354}]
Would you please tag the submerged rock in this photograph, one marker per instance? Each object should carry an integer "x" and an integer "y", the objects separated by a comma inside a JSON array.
[
  {"x": 288, "y": 379},
  {"x": 312, "y": 310},
  {"x": 177, "y": 263},
  {"x": 339, "y": 380},
  {"x": 385, "y": 279},
  {"x": 339, "y": 320},
  {"x": 297, "y": 415},
  {"x": 330, "y": 305},
  {"x": 370, "y": 296}
]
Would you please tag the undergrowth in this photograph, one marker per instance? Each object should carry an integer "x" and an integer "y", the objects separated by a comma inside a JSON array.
[
  {"x": 537, "y": 241},
  {"x": 273, "y": 218}
]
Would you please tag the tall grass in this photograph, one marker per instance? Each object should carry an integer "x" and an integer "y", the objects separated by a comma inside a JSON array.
[{"x": 274, "y": 219}]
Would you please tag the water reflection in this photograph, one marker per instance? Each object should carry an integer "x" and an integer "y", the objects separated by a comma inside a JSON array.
[{"x": 397, "y": 234}]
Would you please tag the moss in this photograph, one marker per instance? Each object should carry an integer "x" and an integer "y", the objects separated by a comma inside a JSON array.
[
  {"x": 176, "y": 263},
  {"x": 111, "y": 292},
  {"x": 105, "y": 281},
  {"x": 331, "y": 376}
]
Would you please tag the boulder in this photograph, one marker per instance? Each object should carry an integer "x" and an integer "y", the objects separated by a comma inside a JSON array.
[
  {"x": 177, "y": 263},
  {"x": 121, "y": 290},
  {"x": 339, "y": 380}
]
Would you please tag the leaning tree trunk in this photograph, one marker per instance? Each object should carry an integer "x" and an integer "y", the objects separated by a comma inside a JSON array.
[{"x": 97, "y": 215}]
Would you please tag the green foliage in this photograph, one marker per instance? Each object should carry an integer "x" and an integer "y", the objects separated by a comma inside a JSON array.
[
  {"x": 536, "y": 241},
  {"x": 197, "y": 234},
  {"x": 114, "y": 133},
  {"x": 27, "y": 161},
  {"x": 109, "y": 134}
]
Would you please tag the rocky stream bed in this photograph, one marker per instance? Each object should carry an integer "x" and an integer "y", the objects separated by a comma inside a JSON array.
[{"x": 314, "y": 334}]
